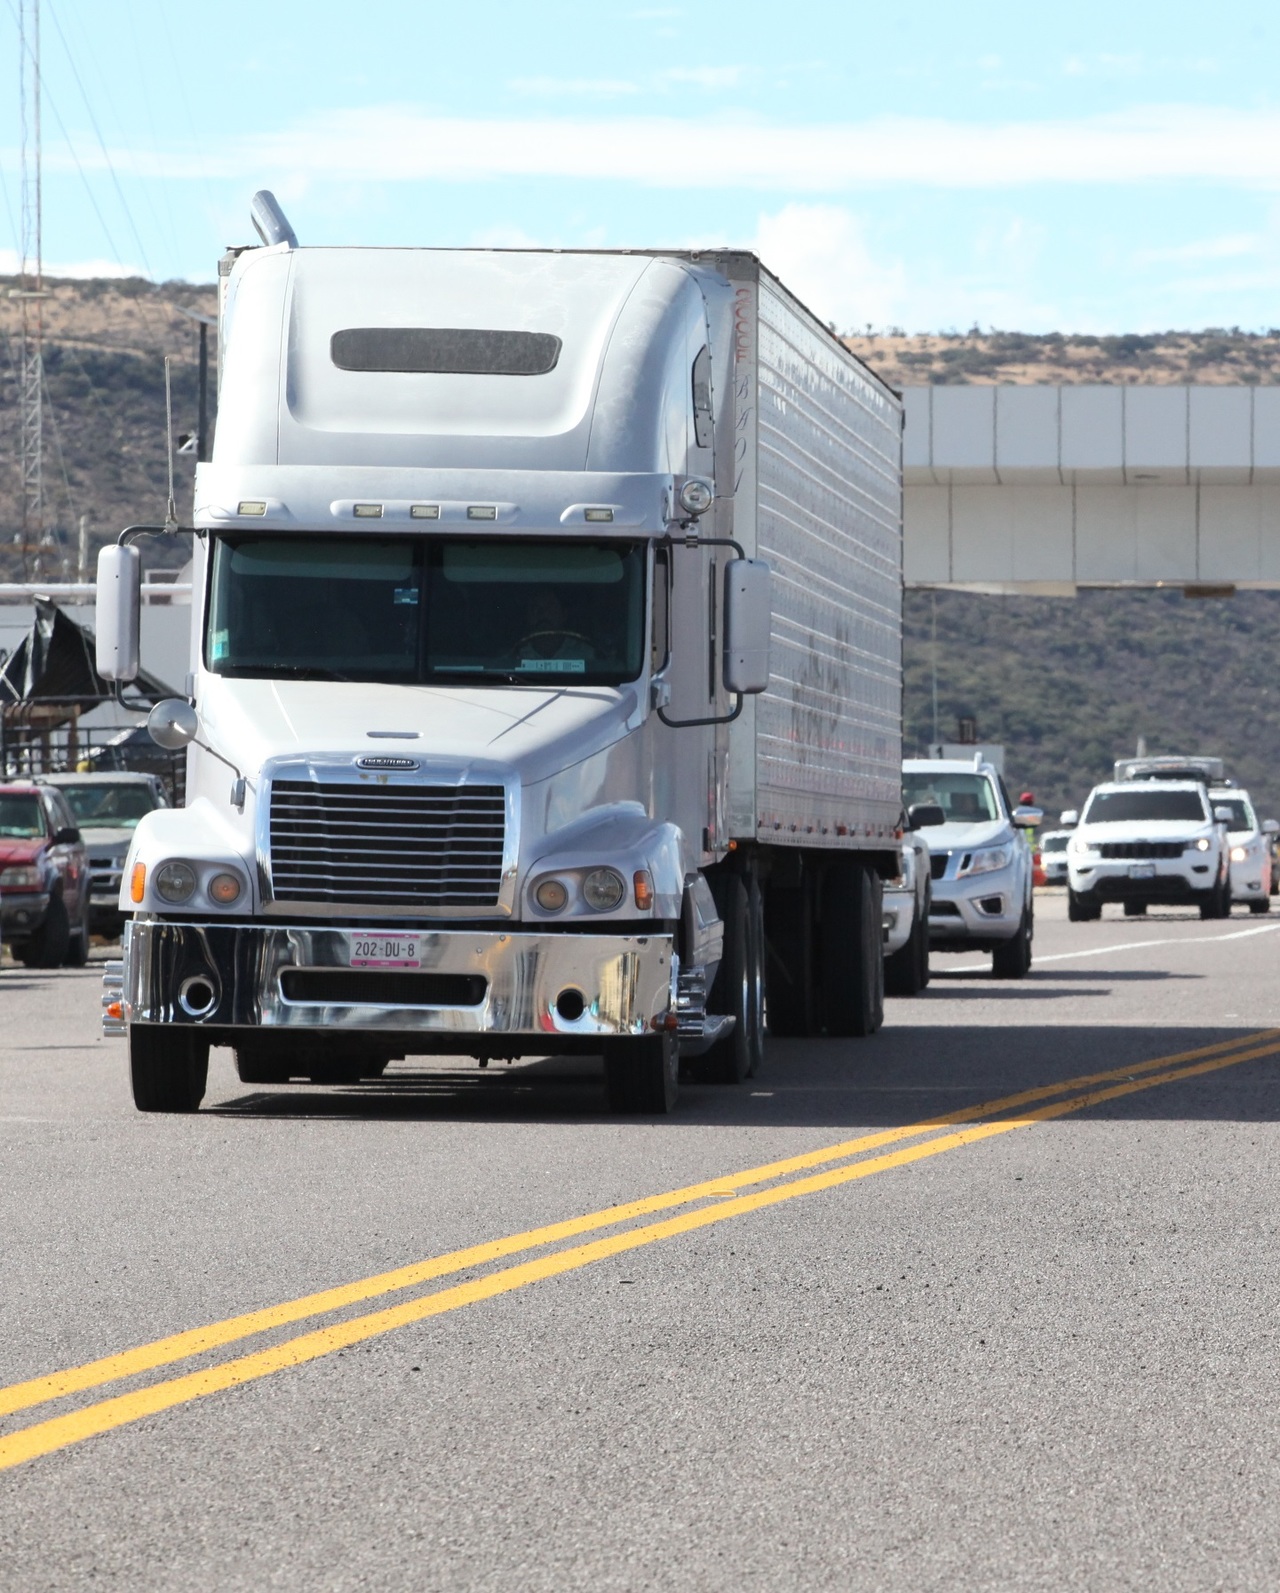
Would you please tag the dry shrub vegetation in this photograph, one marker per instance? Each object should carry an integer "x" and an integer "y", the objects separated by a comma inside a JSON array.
[{"x": 1067, "y": 684}]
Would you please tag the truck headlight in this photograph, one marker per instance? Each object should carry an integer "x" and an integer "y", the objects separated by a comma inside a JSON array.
[
  {"x": 22, "y": 878},
  {"x": 174, "y": 882},
  {"x": 985, "y": 861},
  {"x": 225, "y": 888},
  {"x": 603, "y": 889}
]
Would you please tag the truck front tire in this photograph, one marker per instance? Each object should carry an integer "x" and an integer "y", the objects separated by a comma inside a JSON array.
[
  {"x": 169, "y": 1065},
  {"x": 739, "y": 984},
  {"x": 642, "y": 1074}
]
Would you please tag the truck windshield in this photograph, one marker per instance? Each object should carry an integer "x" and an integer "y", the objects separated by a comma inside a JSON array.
[
  {"x": 463, "y": 611},
  {"x": 964, "y": 798},
  {"x": 1146, "y": 807}
]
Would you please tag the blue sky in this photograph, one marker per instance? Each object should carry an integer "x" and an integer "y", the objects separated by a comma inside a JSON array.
[{"x": 1099, "y": 167}]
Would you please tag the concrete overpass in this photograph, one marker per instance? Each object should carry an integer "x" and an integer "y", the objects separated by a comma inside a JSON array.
[{"x": 1043, "y": 490}]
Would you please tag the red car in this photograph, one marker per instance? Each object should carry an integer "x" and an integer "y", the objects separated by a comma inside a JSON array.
[{"x": 44, "y": 878}]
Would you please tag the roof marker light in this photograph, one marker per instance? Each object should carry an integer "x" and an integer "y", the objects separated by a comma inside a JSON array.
[
  {"x": 252, "y": 506},
  {"x": 367, "y": 511},
  {"x": 482, "y": 511},
  {"x": 603, "y": 516},
  {"x": 424, "y": 511}
]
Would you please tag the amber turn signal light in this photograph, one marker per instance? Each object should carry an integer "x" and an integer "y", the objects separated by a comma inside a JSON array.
[
  {"x": 642, "y": 885},
  {"x": 138, "y": 882}
]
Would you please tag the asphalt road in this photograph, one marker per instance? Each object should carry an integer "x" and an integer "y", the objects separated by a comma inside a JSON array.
[{"x": 1032, "y": 1346}]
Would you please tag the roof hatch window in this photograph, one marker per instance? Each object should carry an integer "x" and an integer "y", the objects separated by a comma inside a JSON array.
[{"x": 445, "y": 351}]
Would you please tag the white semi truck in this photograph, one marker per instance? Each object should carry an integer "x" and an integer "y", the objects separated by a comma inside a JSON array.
[{"x": 545, "y": 689}]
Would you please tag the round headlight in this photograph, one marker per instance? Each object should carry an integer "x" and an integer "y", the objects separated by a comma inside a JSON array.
[
  {"x": 603, "y": 889},
  {"x": 174, "y": 882},
  {"x": 551, "y": 895},
  {"x": 1202, "y": 845},
  {"x": 695, "y": 496},
  {"x": 224, "y": 889}
]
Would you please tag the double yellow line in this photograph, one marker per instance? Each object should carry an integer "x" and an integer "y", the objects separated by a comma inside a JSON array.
[{"x": 713, "y": 1201}]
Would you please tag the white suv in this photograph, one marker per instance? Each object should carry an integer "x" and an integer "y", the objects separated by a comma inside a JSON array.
[
  {"x": 979, "y": 859},
  {"x": 1250, "y": 849},
  {"x": 1148, "y": 841}
]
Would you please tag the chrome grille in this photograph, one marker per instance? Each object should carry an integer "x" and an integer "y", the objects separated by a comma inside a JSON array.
[
  {"x": 390, "y": 845},
  {"x": 1141, "y": 849}
]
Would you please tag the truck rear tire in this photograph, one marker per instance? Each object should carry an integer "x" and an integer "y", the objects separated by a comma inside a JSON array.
[
  {"x": 739, "y": 984},
  {"x": 47, "y": 948},
  {"x": 851, "y": 949},
  {"x": 257, "y": 1066},
  {"x": 78, "y": 942},
  {"x": 169, "y": 1066},
  {"x": 1082, "y": 907},
  {"x": 642, "y": 1074},
  {"x": 790, "y": 942}
]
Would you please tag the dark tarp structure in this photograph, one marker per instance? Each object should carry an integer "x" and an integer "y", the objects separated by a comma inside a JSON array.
[{"x": 50, "y": 677}]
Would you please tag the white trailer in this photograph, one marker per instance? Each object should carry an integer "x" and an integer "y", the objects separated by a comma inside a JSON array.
[{"x": 545, "y": 675}]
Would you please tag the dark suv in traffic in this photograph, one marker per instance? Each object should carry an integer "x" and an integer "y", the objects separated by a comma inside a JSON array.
[{"x": 44, "y": 878}]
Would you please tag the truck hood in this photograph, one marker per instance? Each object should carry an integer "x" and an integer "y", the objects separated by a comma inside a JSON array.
[
  {"x": 104, "y": 841},
  {"x": 15, "y": 851},
  {"x": 538, "y": 731},
  {"x": 964, "y": 837}
]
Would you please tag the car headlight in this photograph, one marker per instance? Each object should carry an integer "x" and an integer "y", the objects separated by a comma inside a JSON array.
[
  {"x": 23, "y": 877},
  {"x": 1239, "y": 853},
  {"x": 603, "y": 889},
  {"x": 1078, "y": 846},
  {"x": 985, "y": 860},
  {"x": 174, "y": 882},
  {"x": 1203, "y": 844}
]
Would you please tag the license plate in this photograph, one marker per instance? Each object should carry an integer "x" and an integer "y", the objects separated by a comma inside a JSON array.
[
  {"x": 384, "y": 951},
  {"x": 1142, "y": 871}
]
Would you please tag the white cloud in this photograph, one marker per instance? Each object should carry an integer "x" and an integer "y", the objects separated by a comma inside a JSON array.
[
  {"x": 573, "y": 88},
  {"x": 707, "y": 77},
  {"x": 1230, "y": 246},
  {"x": 822, "y": 255},
  {"x": 11, "y": 265},
  {"x": 1239, "y": 147}
]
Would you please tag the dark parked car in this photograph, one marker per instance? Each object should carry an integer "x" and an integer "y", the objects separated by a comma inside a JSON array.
[
  {"x": 107, "y": 808},
  {"x": 44, "y": 878}
]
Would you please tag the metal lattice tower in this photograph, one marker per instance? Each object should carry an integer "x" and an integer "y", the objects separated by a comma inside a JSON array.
[{"x": 35, "y": 535}]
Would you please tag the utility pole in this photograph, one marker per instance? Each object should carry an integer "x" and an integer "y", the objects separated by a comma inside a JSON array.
[{"x": 34, "y": 535}]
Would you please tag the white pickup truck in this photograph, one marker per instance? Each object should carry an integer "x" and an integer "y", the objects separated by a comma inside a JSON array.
[{"x": 1147, "y": 842}]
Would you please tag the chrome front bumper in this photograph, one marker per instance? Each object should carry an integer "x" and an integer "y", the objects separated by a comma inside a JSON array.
[{"x": 220, "y": 976}]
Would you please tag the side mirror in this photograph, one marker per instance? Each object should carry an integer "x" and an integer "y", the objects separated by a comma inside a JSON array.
[
  {"x": 748, "y": 620},
  {"x": 1069, "y": 819},
  {"x": 69, "y": 836},
  {"x": 1222, "y": 815},
  {"x": 1270, "y": 827},
  {"x": 925, "y": 816},
  {"x": 172, "y": 724},
  {"x": 1028, "y": 818},
  {"x": 119, "y": 603}
]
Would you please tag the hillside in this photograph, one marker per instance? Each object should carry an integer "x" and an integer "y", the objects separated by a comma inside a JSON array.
[{"x": 1067, "y": 684}]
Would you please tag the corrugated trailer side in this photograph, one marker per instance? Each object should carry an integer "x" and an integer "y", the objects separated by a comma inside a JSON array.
[{"x": 816, "y": 760}]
